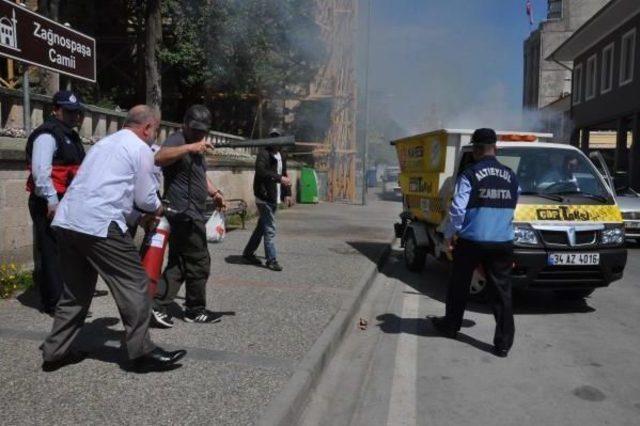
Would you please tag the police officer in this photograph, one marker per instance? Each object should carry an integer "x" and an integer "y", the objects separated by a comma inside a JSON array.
[
  {"x": 54, "y": 152},
  {"x": 480, "y": 232}
]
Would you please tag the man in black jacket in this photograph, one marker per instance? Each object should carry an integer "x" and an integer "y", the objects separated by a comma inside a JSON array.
[
  {"x": 54, "y": 152},
  {"x": 270, "y": 184}
]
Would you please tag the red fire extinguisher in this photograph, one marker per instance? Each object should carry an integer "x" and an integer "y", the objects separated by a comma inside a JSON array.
[{"x": 152, "y": 253}]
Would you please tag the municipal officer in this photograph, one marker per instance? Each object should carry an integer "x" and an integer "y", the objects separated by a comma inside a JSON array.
[
  {"x": 54, "y": 153},
  {"x": 480, "y": 232}
]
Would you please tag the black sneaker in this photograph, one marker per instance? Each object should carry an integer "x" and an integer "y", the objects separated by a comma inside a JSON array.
[
  {"x": 161, "y": 319},
  {"x": 100, "y": 293},
  {"x": 201, "y": 316},
  {"x": 274, "y": 266},
  {"x": 252, "y": 259}
]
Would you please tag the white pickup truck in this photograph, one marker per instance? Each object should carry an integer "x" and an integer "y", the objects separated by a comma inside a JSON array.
[{"x": 569, "y": 233}]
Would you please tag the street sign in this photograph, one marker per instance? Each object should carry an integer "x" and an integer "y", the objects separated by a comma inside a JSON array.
[{"x": 28, "y": 37}]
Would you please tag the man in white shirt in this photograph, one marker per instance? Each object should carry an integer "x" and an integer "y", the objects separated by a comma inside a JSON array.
[
  {"x": 137, "y": 217},
  {"x": 115, "y": 177}
]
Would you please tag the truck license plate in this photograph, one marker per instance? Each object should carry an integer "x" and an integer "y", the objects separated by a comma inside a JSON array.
[{"x": 574, "y": 259}]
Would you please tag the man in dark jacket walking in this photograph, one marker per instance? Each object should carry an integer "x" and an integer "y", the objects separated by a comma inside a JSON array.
[{"x": 270, "y": 184}]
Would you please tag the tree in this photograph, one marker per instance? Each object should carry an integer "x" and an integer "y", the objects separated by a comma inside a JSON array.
[
  {"x": 153, "y": 42},
  {"x": 231, "y": 55},
  {"x": 49, "y": 80}
]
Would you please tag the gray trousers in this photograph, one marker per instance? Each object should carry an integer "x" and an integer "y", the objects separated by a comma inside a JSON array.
[{"x": 116, "y": 259}]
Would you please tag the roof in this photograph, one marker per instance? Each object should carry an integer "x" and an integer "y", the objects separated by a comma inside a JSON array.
[
  {"x": 470, "y": 132},
  {"x": 537, "y": 145},
  {"x": 611, "y": 17}
]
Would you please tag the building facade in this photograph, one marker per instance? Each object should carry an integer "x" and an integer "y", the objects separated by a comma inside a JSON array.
[
  {"x": 546, "y": 81},
  {"x": 605, "y": 58}
]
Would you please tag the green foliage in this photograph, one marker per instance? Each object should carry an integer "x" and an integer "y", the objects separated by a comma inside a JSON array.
[
  {"x": 262, "y": 46},
  {"x": 183, "y": 45},
  {"x": 13, "y": 279},
  {"x": 228, "y": 54}
]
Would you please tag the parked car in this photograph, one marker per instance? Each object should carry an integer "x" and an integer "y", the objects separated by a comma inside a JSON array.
[
  {"x": 628, "y": 200},
  {"x": 391, "y": 183}
]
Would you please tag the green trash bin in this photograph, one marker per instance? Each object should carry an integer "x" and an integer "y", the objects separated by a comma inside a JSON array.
[{"x": 308, "y": 186}]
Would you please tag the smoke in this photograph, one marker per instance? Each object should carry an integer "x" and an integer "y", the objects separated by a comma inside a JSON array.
[
  {"x": 494, "y": 110},
  {"x": 453, "y": 64}
]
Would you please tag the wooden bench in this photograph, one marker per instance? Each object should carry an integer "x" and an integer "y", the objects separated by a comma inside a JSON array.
[{"x": 235, "y": 206}]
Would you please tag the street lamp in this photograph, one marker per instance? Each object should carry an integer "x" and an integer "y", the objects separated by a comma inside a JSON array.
[{"x": 365, "y": 150}]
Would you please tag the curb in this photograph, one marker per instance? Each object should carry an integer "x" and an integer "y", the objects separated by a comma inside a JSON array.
[{"x": 287, "y": 407}]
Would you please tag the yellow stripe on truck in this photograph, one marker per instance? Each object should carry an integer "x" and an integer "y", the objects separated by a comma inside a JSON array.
[{"x": 567, "y": 213}]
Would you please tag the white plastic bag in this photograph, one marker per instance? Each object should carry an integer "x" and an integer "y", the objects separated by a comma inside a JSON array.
[{"x": 215, "y": 227}]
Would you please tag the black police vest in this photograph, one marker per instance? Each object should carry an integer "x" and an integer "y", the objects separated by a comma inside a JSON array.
[
  {"x": 492, "y": 185},
  {"x": 66, "y": 153},
  {"x": 67, "y": 157}
]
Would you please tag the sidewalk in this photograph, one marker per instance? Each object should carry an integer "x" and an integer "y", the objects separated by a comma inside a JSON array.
[{"x": 233, "y": 368}]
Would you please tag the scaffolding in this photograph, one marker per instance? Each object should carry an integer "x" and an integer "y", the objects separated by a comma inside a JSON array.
[{"x": 336, "y": 81}]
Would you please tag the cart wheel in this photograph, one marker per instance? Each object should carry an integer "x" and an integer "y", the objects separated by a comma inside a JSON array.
[{"x": 414, "y": 256}]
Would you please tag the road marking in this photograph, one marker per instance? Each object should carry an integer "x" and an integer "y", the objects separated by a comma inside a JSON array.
[{"x": 402, "y": 405}]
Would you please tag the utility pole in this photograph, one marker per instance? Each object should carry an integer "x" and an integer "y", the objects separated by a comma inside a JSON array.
[
  {"x": 26, "y": 101},
  {"x": 365, "y": 150}
]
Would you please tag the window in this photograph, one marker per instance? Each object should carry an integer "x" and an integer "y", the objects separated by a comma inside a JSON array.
[
  {"x": 592, "y": 65},
  {"x": 553, "y": 171},
  {"x": 554, "y": 10},
  {"x": 577, "y": 84},
  {"x": 606, "y": 82},
  {"x": 627, "y": 57}
]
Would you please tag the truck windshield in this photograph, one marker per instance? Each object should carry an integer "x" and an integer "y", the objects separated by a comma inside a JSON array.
[
  {"x": 553, "y": 171},
  {"x": 391, "y": 177}
]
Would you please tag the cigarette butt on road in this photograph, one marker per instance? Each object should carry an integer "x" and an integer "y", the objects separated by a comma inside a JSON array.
[{"x": 362, "y": 324}]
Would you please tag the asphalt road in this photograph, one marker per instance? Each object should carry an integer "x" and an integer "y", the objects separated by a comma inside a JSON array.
[
  {"x": 573, "y": 363},
  {"x": 233, "y": 368}
]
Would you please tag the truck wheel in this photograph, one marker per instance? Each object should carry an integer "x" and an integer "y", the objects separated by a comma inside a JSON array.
[
  {"x": 414, "y": 256},
  {"x": 478, "y": 287},
  {"x": 574, "y": 294}
]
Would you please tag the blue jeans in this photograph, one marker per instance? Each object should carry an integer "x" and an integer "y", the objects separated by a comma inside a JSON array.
[{"x": 266, "y": 228}]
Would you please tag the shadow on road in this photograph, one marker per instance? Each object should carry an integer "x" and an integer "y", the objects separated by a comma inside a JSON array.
[
  {"x": 94, "y": 337},
  {"x": 382, "y": 196},
  {"x": 432, "y": 282},
  {"x": 235, "y": 259},
  {"x": 372, "y": 250},
  {"x": 393, "y": 324},
  {"x": 97, "y": 337},
  {"x": 30, "y": 298}
]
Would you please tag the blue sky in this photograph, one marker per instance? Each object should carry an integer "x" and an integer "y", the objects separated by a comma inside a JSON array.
[{"x": 462, "y": 58}]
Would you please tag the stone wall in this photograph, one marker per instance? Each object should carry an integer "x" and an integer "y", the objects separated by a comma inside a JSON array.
[
  {"x": 235, "y": 179},
  {"x": 15, "y": 222},
  {"x": 233, "y": 176}
]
